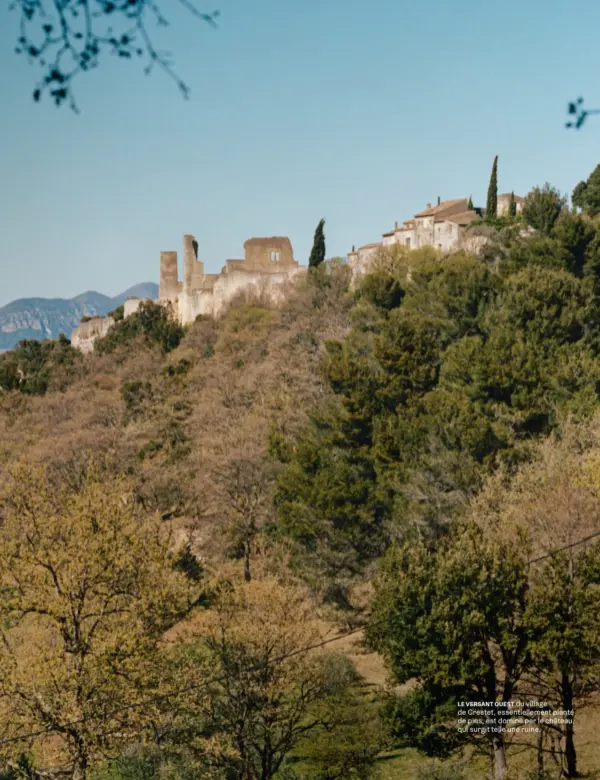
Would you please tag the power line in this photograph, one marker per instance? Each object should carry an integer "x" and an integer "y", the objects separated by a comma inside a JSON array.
[
  {"x": 170, "y": 694},
  {"x": 566, "y": 547},
  {"x": 277, "y": 660}
]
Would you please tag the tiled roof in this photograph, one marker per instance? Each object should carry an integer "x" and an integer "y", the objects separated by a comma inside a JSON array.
[
  {"x": 447, "y": 206},
  {"x": 518, "y": 198},
  {"x": 463, "y": 217}
]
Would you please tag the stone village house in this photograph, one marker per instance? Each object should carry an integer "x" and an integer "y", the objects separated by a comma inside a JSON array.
[{"x": 441, "y": 227}]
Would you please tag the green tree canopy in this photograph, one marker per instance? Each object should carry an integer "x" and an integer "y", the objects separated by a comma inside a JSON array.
[
  {"x": 454, "y": 619},
  {"x": 542, "y": 208},
  {"x": 586, "y": 195}
]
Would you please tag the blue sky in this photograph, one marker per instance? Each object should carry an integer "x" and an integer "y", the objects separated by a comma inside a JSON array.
[{"x": 357, "y": 111}]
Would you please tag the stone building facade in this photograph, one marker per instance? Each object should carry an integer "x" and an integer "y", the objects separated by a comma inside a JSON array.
[
  {"x": 504, "y": 204},
  {"x": 439, "y": 226},
  {"x": 267, "y": 264}
]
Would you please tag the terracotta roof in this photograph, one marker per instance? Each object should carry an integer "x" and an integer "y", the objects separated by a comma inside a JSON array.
[
  {"x": 456, "y": 205},
  {"x": 369, "y": 246},
  {"x": 391, "y": 233},
  {"x": 463, "y": 217},
  {"x": 518, "y": 198}
]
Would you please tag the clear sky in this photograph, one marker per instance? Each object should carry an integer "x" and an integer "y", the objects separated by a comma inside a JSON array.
[{"x": 359, "y": 111}]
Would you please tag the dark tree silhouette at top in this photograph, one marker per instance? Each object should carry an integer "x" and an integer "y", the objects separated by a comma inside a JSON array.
[
  {"x": 317, "y": 254},
  {"x": 68, "y": 37},
  {"x": 491, "y": 208}
]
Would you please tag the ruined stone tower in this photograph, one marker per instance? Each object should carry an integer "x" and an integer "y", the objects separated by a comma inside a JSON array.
[
  {"x": 267, "y": 263},
  {"x": 169, "y": 286}
]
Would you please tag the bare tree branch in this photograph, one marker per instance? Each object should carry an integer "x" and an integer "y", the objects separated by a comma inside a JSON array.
[{"x": 68, "y": 37}]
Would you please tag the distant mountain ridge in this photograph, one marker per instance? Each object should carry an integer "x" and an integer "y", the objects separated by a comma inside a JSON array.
[{"x": 46, "y": 318}]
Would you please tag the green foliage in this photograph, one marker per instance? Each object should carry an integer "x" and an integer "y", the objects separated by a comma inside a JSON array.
[
  {"x": 35, "y": 366},
  {"x": 317, "y": 253},
  {"x": 435, "y": 617},
  {"x": 512, "y": 206},
  {"x": 151, "y": 321},
  {"x": 444, "y": 374},
  {"x": 563, "y": 613},
  {"x": 117, "y": 314},
  {"x": 435, "y": 771},
  {"x": 382, "y": 290},
  {"x": 136, "y": 395},
  {"x": 575, "y": 236},
  {"x": 350, "y": 737},
  {"x": 491, "y": 207},
  {"x": 542, "y": 208},
  {"x": 425, "y": 719},
  {"x": 586, "y": 195},
  {"x": 470, "y": 203},
  {"x": 154, "y": 763}
]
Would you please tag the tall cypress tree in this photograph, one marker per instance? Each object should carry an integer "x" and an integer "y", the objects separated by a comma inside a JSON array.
[
  {"x": 470, "y": 203},
  {"x": 317, "y": 254},
  {"x": 512, "y": 206},
  {"x": 491, "y": 207}
]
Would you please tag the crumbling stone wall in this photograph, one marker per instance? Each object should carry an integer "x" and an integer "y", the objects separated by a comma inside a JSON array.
[
  {"x": 268, "y": 254},
  {"x": 169, "y": 286},
  {"x": 84, "y": 336},
  {"x": 193, "y": 269},
  {"x": 268, "y": 263},
  {"x": 131, "y": 305}
]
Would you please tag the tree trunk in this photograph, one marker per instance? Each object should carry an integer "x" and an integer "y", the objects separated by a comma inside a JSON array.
[
  {"x": 499, "y": 758},
  {"x": 567, "y": 703},
  {"x": 247, "y": 553},
  {"x": 540, "y": 752},
  {"x": 80, "y": 769}
]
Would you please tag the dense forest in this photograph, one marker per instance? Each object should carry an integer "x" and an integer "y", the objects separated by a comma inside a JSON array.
[{"x": 286, "y": 543}]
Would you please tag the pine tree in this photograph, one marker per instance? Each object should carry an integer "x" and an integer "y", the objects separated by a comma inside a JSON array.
[
  {"x": 317, "y": 254},
  {"x": 512, "y": 206},
  {"x": 470, "y": 203},
  {"x": 491, "y": 208}
]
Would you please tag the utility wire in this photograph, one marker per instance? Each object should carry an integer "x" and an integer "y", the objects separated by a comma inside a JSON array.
[
  {"x": 279, "y": 659},
  {"x": 170, "y": 694},
  {"x": 566, "y": 547}
]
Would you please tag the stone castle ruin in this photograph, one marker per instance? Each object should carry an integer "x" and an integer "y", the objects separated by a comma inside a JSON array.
[{"x": 268, "y": 263}]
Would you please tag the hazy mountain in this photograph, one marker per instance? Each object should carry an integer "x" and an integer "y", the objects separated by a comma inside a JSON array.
[{"x": 45, "y": 318}]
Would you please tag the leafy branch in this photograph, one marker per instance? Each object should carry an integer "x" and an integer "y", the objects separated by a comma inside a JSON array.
[
  {"x": 579, "y": 114},
  {"x": 67, "y": 37}
]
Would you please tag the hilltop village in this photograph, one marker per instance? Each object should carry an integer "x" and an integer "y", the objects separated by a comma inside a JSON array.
[
  {"x": 288, "y": 479},
  {"x": 269, "y": 262},
  {"x": 441, "y": 226}
]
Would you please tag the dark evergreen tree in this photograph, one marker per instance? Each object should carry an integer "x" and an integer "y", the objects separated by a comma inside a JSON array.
[
  {"x": 512, "y": 206},
  {"x": 470, "y": 203},
  {"x": 586, "y": 195},
  {"x": 542, "y": 207},
  {"x": 317, "y": 254},
  {"x": 491, "y": 208}
]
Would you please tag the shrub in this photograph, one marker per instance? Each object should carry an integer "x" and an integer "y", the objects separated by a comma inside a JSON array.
[{"x": 152, "y": 321}]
